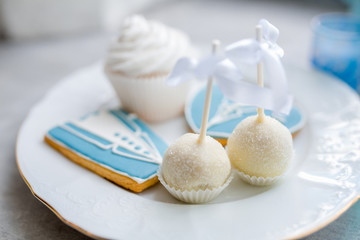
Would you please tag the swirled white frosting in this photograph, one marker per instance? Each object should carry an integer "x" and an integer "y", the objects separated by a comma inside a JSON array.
[{"x": 146, "y": 48}]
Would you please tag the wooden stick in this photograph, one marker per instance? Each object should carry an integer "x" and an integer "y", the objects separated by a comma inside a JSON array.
[
  {"x": 205, "y": 117},
  {"x": 260, "y": 75}
]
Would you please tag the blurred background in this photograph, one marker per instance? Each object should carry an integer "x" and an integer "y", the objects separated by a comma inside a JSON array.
[
  {"x": 54, "y": 28},
  {"x": 42, "y": 41}
]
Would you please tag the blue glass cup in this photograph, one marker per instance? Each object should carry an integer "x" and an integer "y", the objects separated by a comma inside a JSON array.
[{"x": 336, "y": 46}]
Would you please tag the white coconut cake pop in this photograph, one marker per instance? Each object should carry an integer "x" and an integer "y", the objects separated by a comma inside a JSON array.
[
  {"x": 190, "y": 165},
  {"x": 260, "y": 148},
  {"x": 196, "y": 167}
]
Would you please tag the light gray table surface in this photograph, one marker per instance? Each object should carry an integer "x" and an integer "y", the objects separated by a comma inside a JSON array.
[{"x": 29, "y": 69}]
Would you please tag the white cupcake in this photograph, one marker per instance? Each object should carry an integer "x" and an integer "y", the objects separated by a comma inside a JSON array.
[{"x": 138, "y": 63}]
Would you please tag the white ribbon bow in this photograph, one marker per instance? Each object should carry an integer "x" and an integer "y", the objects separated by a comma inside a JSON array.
[
  {"x": 223, "y": 70},
  {"x": 250, "y": 51},
  {"x": 228, "y": 76}
]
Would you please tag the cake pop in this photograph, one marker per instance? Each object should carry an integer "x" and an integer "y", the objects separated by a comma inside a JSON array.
[
  {"x": 191, "y": 165},
  {"x": 260, "y": 147},
  {"x": 196, "y": 167}
]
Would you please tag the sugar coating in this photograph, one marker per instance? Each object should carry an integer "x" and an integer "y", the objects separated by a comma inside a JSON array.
[
  {"x": 189, "y": 165},
  {"x": 261, "y": 149}
]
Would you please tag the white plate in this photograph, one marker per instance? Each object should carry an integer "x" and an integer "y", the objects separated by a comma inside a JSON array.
[{"x": 323, "y": 180}]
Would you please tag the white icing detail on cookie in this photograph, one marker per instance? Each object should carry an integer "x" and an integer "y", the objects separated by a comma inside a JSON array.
[
  {"x": 140, "y": 134},
  {"x": 112, "y": 146},
  {"x": 146, "y": 47},
  {"x": 88, "y": 139},
  {"x": 136, "y": 179},
  {"x": 108, "y": 127},
  {"x": 227, "y": 111}
]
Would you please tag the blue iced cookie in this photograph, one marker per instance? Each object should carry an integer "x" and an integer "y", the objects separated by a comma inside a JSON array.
[
  {"x": 225, "y": 115},
  {"x": 114, "y": 144}
]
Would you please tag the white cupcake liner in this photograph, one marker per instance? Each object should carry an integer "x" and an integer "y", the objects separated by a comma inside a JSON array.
[
  {"x": 199, "y": 196},
  {"x": 257, "y": 181},
  {"x": 149, "y": 97}
]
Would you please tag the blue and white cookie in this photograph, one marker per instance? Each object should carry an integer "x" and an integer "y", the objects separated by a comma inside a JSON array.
[
  {"x": 225, "y": 115},
  {"x": 114, "y": 144}
]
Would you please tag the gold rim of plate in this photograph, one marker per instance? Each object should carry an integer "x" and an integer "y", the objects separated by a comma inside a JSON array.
[{"x": 97, "y": 237}]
